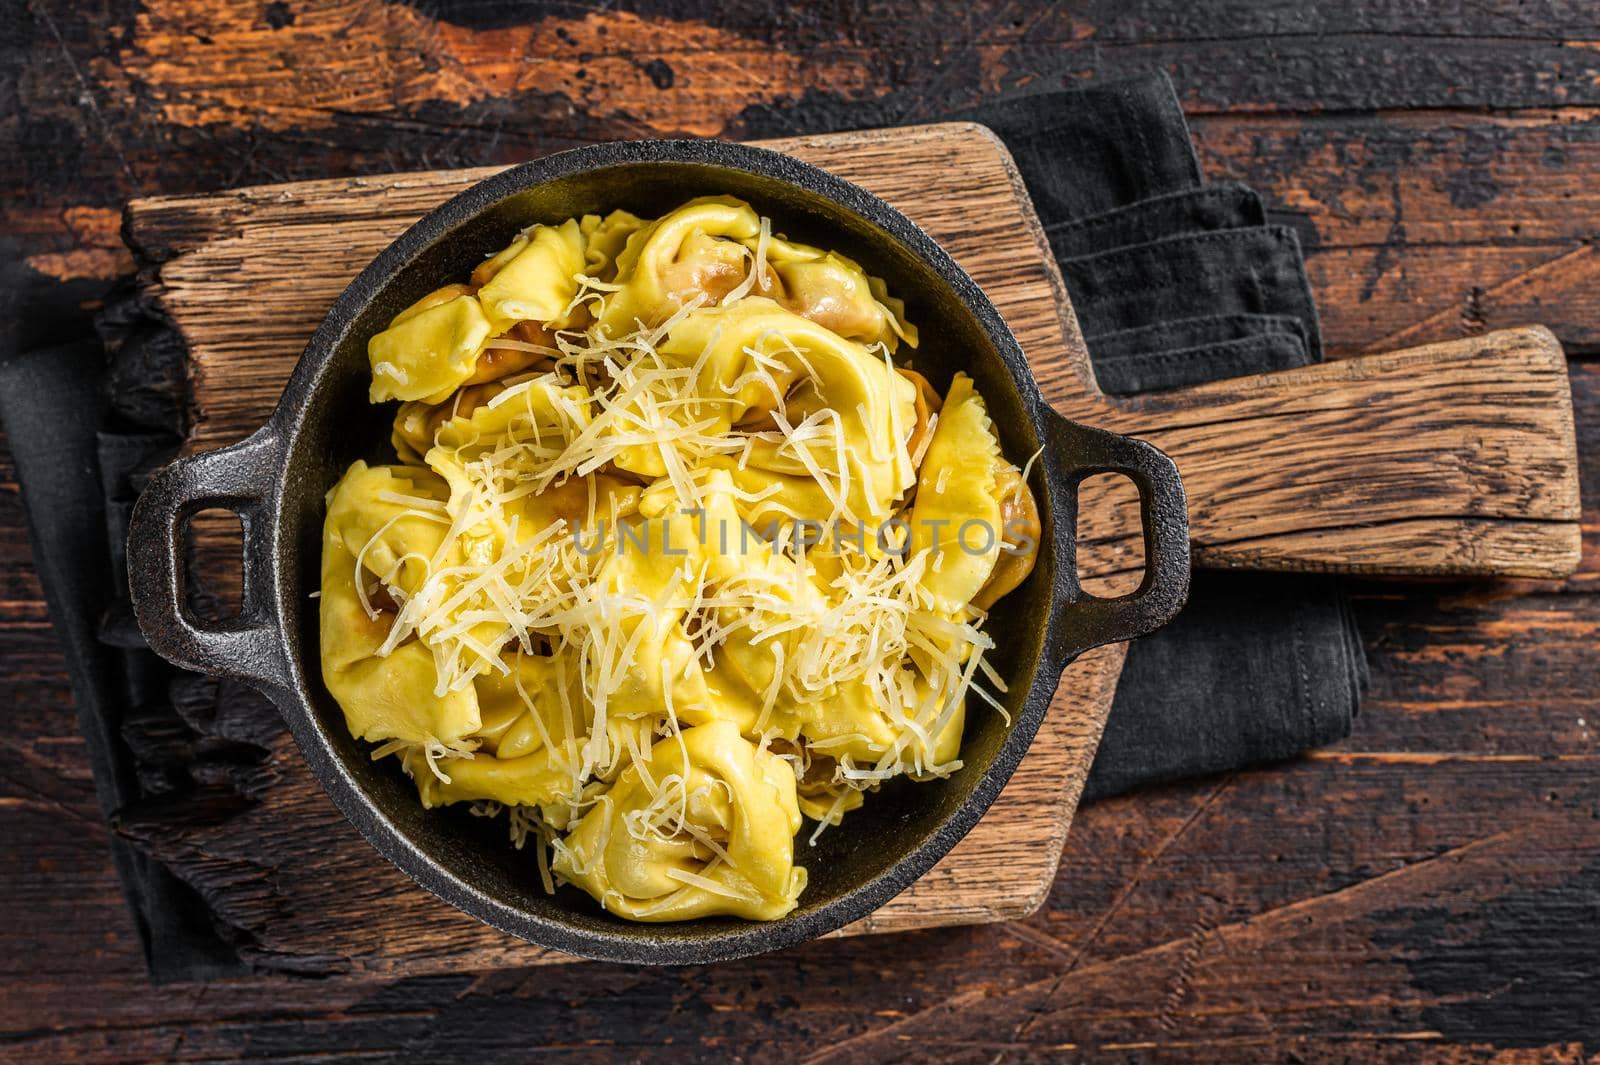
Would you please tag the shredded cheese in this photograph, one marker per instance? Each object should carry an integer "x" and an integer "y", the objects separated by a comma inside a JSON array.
[{"x": 528, "y": 565}]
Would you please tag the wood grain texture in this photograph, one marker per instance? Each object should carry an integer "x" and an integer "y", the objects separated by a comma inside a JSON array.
[
  {"x": 1456, "y": 458},
  {"x": 1451, "y": 458},
  {"x": 307, "y": 894},
  {"x": 1448, "y": 459},
  {"x": 1440, "y": 163}
]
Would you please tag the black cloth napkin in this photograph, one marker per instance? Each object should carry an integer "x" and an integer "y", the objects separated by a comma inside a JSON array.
[
  {"x": 1181, "y": 282},
  {"x": 1201, "y": 209},
  {"x": 78, "y": 482},
  {"x": 1093, "y": 150},
  {"x": 1176, "y": 282}
]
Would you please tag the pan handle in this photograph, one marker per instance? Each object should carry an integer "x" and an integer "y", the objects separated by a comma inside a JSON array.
[
  {"x": 240, "y": 478},
  {"x": 1083, "y": 620}
]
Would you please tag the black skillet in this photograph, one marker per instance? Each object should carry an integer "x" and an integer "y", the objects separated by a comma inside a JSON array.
[{"x": 276, "y": 480}]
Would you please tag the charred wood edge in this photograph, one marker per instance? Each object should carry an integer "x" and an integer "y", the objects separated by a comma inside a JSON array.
[{"x": 188, "y": 749}]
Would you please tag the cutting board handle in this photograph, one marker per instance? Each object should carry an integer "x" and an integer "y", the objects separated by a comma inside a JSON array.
[{"x": 1451, "y": 458}]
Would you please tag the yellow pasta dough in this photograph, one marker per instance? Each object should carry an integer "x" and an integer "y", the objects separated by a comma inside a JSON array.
[
  {"x": 393, "y": 695},
  {"x": 538, "y": 280},
  {"x": 429, "y": 351},
  {"x": 712, "y": 834},
  {"x": 956, "y": 517},
  {"x": 836, "y": 293},
  {"x": 675, "y": 555}
]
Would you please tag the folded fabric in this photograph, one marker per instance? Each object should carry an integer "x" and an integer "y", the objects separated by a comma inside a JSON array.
[
  {"x": 1095, "y": 149},
  {"x": 1097, "y": 253},
  {"x": 1205, "y": 209},
  {"x": 51, "y": 404},
  {"x": 1176, "y": 283},
  {"x": 1289, "y": 636},
  {"x": 1258, "y": 270},
  {"x": 1155, "y": 370},
  {"x": 1177, "y": 334}
]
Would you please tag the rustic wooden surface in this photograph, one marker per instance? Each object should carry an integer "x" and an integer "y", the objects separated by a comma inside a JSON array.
[
  {"x": 1423, "y": 891},
  {"x": 1450, "y": 458},
  {"x": 1480, "y": 429}
]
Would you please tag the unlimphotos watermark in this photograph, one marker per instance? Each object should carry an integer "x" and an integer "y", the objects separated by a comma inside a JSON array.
[{"x": 671, "y": 537}]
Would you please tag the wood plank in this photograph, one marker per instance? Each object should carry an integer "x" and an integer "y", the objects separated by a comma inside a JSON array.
[
  {"x": 74, "y": 987},
  {"x": 1464, "y": 181},
  {"x": 1464, "y": 216},
  {"x": 1345, "y": 952},
  {"x": 1451, "y": 458},
  {"x": 611, "y": 73}
]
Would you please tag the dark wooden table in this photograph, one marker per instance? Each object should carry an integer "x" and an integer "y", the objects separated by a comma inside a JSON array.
[{"x": 1427, "y": 890}]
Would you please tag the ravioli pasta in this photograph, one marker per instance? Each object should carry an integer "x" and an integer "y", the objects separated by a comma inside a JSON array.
[{"x": 673, "y": 555}]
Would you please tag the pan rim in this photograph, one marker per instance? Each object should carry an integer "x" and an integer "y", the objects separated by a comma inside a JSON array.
[{"x": 289, "y": 420}]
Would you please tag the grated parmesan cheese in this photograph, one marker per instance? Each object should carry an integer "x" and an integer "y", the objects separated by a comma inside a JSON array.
[{"x": 529, "y": 566}]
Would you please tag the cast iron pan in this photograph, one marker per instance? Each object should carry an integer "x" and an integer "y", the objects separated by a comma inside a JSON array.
[{"x": 276, "y": 480}]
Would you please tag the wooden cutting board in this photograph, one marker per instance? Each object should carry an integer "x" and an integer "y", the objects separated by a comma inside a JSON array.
[{"x": 1455, "y": 458}]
